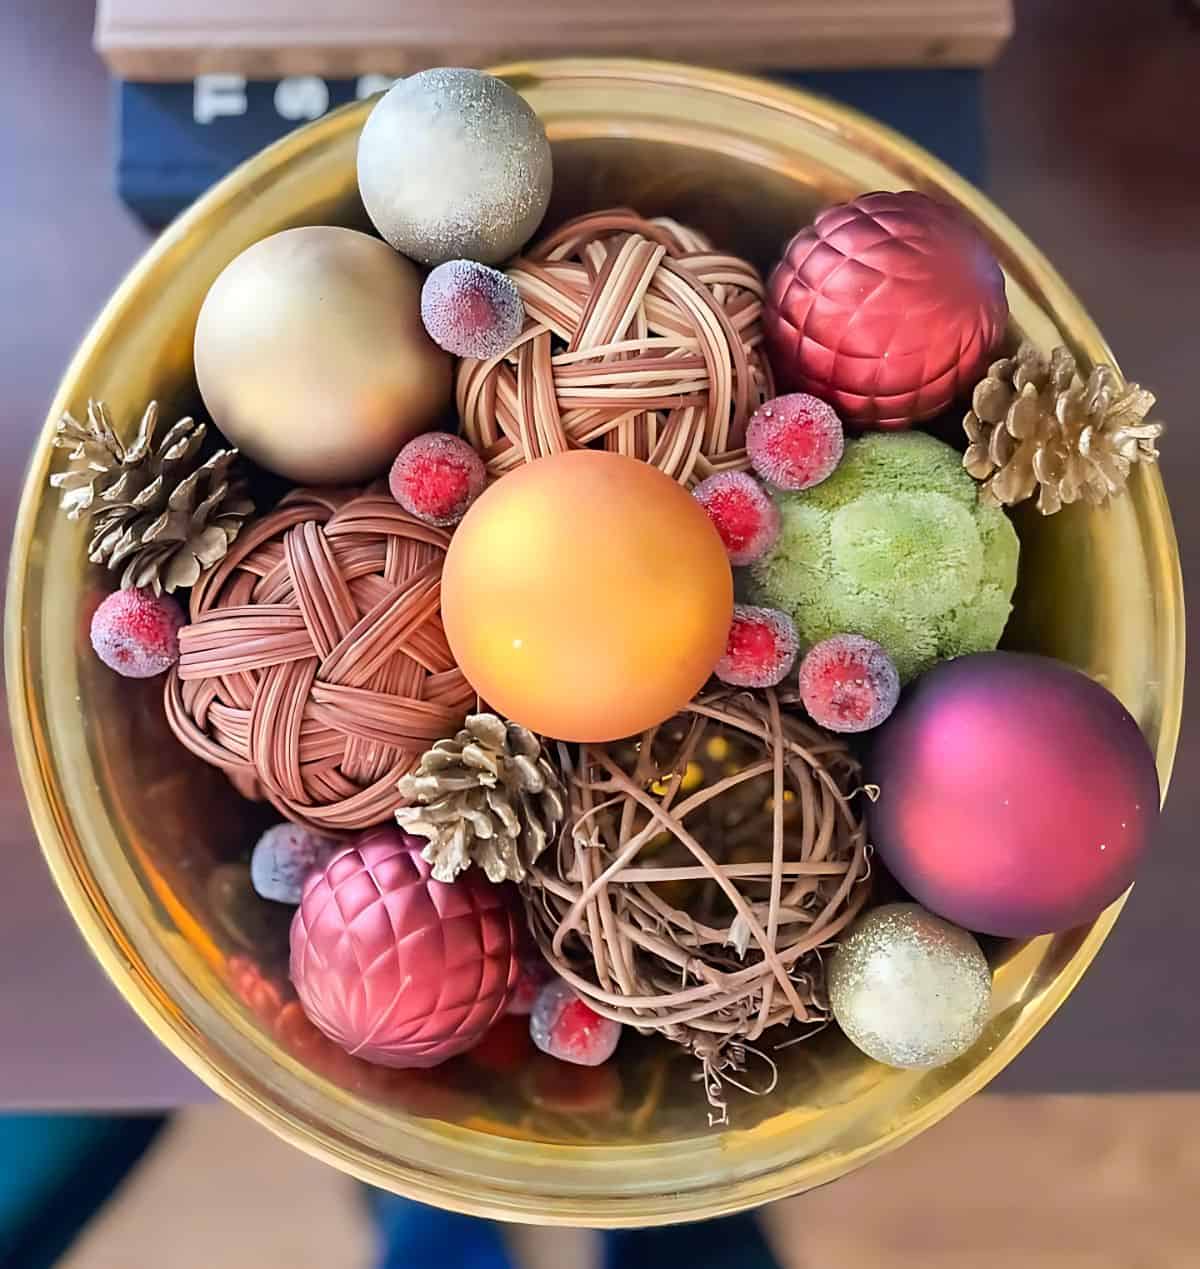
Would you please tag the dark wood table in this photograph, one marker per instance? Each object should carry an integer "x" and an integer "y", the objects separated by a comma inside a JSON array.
[{"x": 1094, "y": 151}]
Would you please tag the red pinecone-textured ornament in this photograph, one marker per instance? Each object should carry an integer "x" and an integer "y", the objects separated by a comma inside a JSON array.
[
  {"x": 887, "y": 307},
  {"x": 396, "y": 967}
]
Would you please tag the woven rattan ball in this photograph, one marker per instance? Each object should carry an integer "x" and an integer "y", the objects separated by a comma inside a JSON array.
[
  {"x": 639, "y": 337},
  {"x": 702, "y": 868},
  {"x": 315, "y": 670}
]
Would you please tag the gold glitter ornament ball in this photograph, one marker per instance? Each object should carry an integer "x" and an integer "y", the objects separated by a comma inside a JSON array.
[
  {"x": 453, "y": 164},
  {"x": 311, "y": 356},
  {"x": 908, "y": 988}
]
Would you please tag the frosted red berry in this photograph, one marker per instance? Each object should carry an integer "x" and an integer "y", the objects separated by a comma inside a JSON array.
[
  {"x": 471, "y": 310},
  {"x": 742, "y": 513},
  {"x": 534, "y": 975},
  {"x": 761, "y": 647},
  {"x": 436, "y": 477},
  {"x": 136, "y": 633},
  {"x": 794, "y": 441},
  {"x": 848, "y": 683},
  {"x": 284, "y": 857},
  {"x": 567, "y": 1028}
]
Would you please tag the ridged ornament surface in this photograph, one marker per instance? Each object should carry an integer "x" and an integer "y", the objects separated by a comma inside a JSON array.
[
  {"x": 887, "y": 307},
  {"x": 397, "y": 968}
]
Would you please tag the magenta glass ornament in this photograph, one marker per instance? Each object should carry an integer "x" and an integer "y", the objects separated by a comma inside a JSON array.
[
  {"x": 887, "y": 307},
  {"x": 1016, "y": 795},
  {"x": 396, "y": 967}
]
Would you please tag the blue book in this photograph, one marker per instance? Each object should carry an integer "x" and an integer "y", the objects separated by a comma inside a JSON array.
[{"x": 175, "y": 140}]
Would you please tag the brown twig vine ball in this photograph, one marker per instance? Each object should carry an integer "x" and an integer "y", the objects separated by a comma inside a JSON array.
[{"x": 702, "y": 869}]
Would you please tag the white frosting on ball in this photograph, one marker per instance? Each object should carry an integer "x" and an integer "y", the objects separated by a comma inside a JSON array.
[{"x": 454, "y": 164}]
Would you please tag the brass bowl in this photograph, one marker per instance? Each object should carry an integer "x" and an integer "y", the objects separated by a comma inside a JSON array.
[{"x": 143, "y": 840}]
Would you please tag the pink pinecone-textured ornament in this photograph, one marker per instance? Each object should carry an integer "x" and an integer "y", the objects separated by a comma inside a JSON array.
[
  {"x": 887, "y": 307},
  {"x": 396, "y": 967}
]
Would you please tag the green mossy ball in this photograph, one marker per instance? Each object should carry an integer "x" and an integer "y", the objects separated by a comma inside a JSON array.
[{"x": 895, "y": 546}]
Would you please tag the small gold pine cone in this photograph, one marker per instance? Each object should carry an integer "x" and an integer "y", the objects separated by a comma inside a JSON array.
[
  {"x": 155, "y": 514},
  {"x": 1035, "y": 427},
  {"x": 490, "y": 796}
]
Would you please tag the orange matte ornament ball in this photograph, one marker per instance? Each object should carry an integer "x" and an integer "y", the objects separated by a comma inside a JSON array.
[{"x": 587, "y": 596}]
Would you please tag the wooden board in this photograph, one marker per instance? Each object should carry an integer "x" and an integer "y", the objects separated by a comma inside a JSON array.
[{"x": 266, "y": 39}]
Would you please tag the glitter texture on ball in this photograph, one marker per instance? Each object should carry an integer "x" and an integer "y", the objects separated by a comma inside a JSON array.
[
  {"x": 471, "y": 310},
  {"x": 136, "y": 633},
  {"x": 908, "y": 988},
  {"x": 436, "y": 477},
  {"x": 761, "y": 648},
  {"x": 569, "y": 1029},
  {"x": 284, "y": 857},
  {"x": 453, "y": 164},
  {"x": 794, "y": 441},
  {"x": 848, "y": 683},
  {"x": 742, "y": 513}
]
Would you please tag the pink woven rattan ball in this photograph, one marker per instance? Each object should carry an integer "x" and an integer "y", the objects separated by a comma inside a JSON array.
[
  {"x": 639, "y": 337},
  {"x": 315, "y": 670}
]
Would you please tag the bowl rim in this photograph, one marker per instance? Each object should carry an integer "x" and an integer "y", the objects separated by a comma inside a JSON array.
[{"x": 50, "y": 819}]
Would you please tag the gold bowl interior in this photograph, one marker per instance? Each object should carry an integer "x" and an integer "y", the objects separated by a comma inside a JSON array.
[{"x": 144, "y": 841}]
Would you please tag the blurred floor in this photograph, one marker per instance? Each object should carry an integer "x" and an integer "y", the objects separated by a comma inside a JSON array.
[{"x": 1068, "y": 1182}]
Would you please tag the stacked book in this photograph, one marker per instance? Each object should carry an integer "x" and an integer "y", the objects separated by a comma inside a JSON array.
[{"x": 199, "y": 92}]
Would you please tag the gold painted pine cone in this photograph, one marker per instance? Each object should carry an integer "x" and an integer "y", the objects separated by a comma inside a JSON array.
[
  {"x": 490, "y": 796},
  {"x": 1035, "y": 427},
  {"x": 156, "y": 514}
]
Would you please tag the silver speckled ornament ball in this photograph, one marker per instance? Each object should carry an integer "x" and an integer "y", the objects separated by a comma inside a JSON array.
[
  {"x": 454, "y": 164},
  {"x": 908, "y": 988}
]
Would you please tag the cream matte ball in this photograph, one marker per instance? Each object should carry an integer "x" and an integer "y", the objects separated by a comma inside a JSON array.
[
  {"x": 311, "y": 356},
  {"x": 453, "y": 164}
]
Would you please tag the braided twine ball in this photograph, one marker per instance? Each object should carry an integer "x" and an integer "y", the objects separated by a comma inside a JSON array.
[
  {"x": 315, "y": 669},
  {"x": 639, "y": 337},
  {"x": 702, "y": 868}
]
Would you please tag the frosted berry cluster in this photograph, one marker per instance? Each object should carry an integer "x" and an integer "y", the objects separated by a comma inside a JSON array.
[
  {"x": 794, "y": 441},
  {"x": 436, "y": 477},
  {"x": 569, "y": 1029},
  {"x": 742, "y": 513},
  {"x": 761, "y": 649},
  {"x": 136, "y": 633},
  {"x": 848, "y": 683},
  {"x": 471, "y": 310}
]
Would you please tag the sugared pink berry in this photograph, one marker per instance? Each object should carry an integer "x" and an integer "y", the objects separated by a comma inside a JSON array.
[
  {"x": 794, "y": 441},
  {"x": 535, "y": 974},
  {"x": 566, "y": 1028},
  {"x": 742, "y": 513},
  {"x": 471, "y": 310},
  {"x": 848, "y": 683},
  {"x": 284, "y": 856},
  {"x": 436, "y": 477},
  {"x": 761, "y": 647},
  {"x": 136, "y": 633}
]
